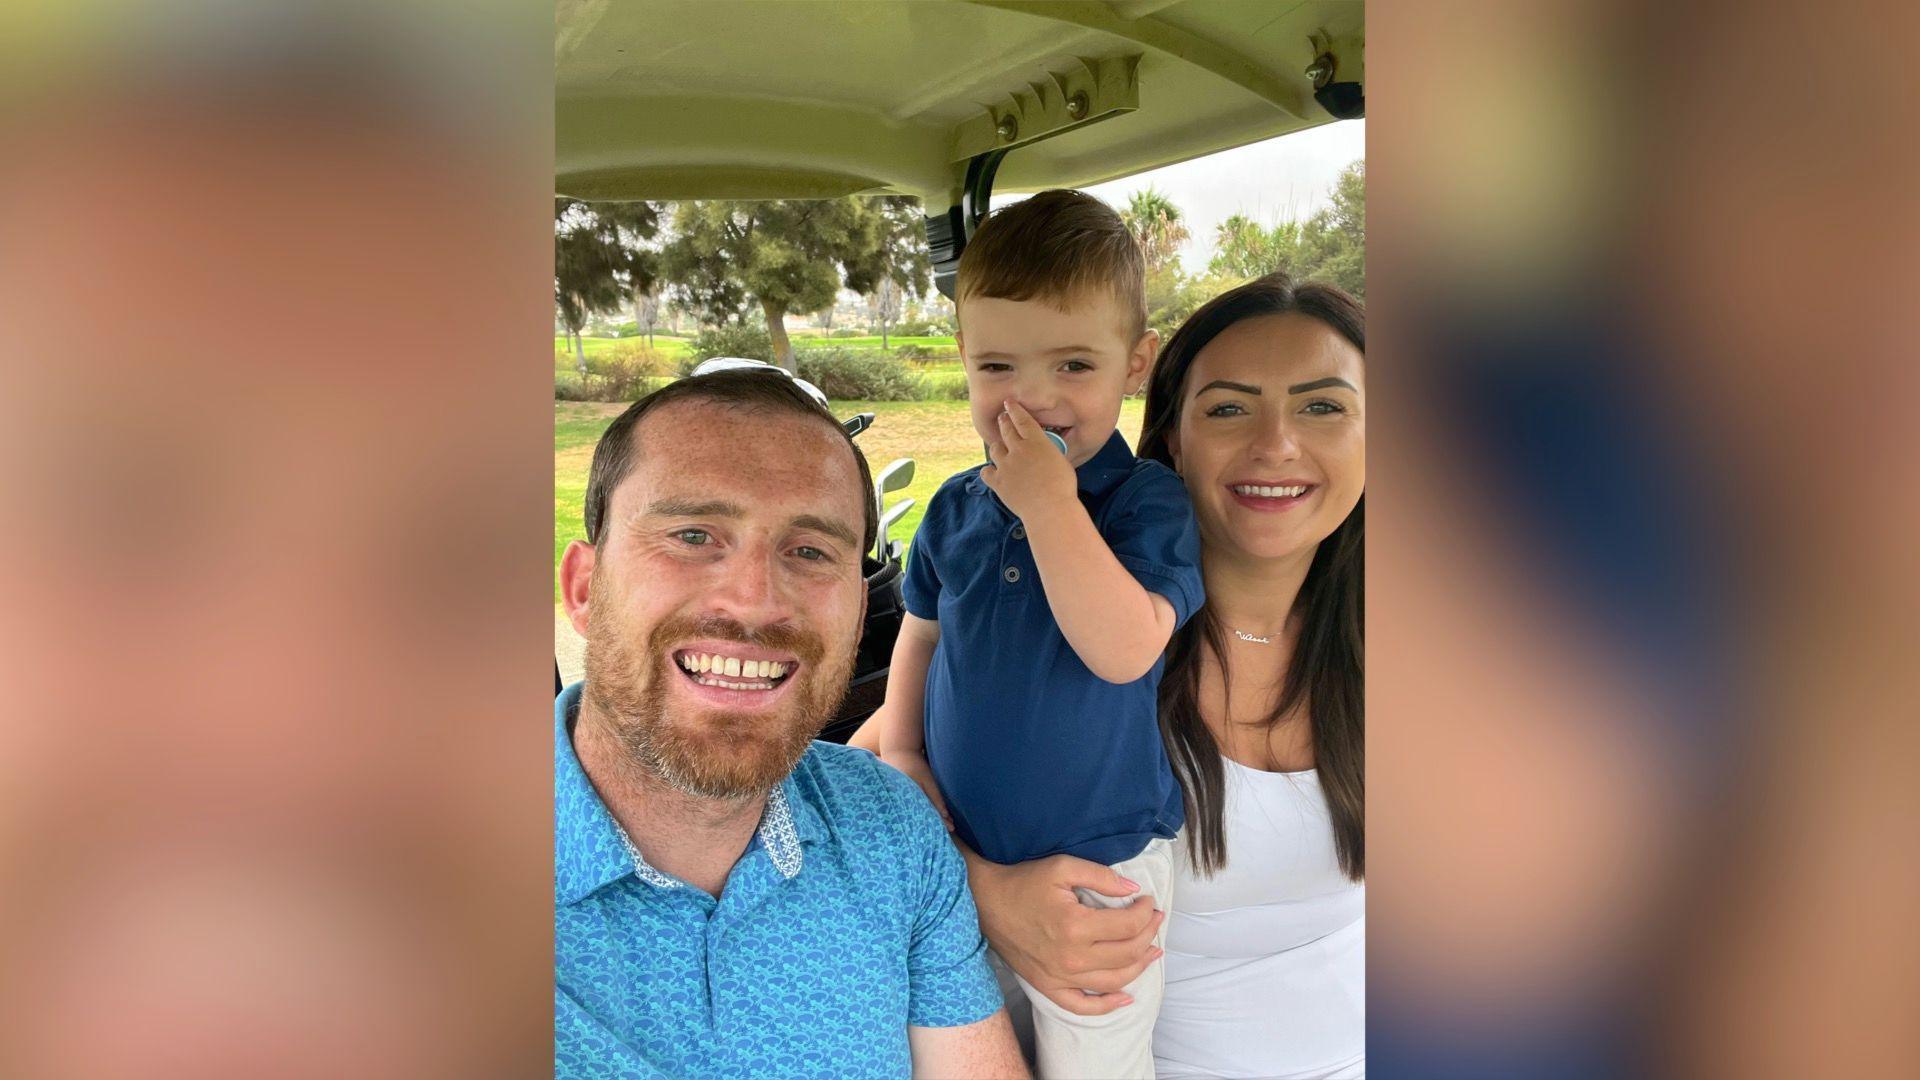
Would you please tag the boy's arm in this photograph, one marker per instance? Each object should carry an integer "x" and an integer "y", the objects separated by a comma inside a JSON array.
[
  {"x": 899, "y": 724},
  {"x": 1116, "y": 625}
]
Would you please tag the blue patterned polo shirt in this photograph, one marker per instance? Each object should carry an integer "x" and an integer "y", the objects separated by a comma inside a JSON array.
[{"x": 846, "y": 919}]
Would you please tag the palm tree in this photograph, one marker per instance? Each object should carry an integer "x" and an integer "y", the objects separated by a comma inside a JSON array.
[{"x": 1155, "y": 223}]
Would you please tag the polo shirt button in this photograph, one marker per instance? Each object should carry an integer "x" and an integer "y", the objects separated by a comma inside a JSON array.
[
  {"x": 1012, "y": 574},
  {"x": 1019, "y": 532}
]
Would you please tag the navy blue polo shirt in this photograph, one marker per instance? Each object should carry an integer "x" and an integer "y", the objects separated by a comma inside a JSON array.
[{"x": 1034, "y": 752}]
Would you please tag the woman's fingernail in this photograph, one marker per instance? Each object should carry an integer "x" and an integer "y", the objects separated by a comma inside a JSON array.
[
  {"x": 1125, "y": 999},
  {"x": 1131, "y": 886}
]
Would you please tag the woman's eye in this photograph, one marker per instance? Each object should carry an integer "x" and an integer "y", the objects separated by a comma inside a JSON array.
[
  {"x": 1324, "y": 408},
  {"x": 694, "y": 537},
  {"x": 1227, "y": 408}
]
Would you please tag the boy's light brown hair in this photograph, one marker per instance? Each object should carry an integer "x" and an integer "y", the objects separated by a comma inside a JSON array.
[{"x": 1057, "y": 246}]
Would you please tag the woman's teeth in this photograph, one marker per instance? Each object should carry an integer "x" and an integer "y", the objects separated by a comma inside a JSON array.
[
  {"x": 712, "y": 669},
  {"x": 1269, "y": 492}
]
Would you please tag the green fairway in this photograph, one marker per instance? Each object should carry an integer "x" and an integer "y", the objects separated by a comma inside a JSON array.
[{"x": 937, "y": 435}]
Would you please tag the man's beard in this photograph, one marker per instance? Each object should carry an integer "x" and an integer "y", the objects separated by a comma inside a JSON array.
[{"x": 708, "y": 752}]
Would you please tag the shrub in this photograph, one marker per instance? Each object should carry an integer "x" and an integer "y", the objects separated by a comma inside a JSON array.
[
  {"x": 570, "y": 388},
  {"x": 913, "y": 352},
  {"x": 847, "y": 331},
  {"x": 747, "y": 340},
  {"x": 955, "y": 390},
  {"x": 931, "y": 327},
  {"x": 851, "y": 375},
  {"x": 622, "y": 372}
]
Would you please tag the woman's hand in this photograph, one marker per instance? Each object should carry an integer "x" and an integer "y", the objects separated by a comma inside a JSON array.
[{"x": 1039, "y": 927}]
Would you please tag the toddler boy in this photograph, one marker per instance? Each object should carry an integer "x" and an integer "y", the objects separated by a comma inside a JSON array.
[{"x": 1042, "y": 588}]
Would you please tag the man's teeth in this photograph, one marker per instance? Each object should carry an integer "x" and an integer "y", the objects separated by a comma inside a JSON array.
[
  {"x": 1270, "y": 492},
  {"x": 731, "y": 666}
]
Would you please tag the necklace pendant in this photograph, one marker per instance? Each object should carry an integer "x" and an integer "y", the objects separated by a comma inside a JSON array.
[{"x": 1257, "y": 640}]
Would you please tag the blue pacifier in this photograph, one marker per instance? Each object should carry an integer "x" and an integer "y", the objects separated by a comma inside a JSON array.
[{"x": 1053, "y": 437}]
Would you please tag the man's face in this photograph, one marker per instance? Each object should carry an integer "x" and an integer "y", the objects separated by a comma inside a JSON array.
[
  {"x": 726, "y": 597},
  {"x": 1069, "y": 367}
]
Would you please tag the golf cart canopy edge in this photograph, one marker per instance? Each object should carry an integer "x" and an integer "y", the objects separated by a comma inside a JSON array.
[{"x": 762, "y": 99}]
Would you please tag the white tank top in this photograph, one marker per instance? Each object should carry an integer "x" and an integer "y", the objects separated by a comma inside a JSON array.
[{"x": 1266, "y": 960}]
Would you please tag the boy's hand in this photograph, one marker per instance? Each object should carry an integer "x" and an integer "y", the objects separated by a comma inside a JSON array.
[
  {"x": 915, "y": 766},
  {"x": 1028, "y": 472}
]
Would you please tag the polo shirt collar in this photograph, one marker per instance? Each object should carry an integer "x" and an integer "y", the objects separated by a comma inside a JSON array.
[
  {"x": 590, "y": 850},
  {"x": 1097, "y": 477}
]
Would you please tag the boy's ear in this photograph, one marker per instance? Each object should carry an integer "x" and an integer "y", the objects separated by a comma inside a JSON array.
[{"x": 1141, "y": 359}]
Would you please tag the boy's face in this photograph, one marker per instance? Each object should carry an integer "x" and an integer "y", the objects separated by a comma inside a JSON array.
[{"x": 1070, "y": 368}]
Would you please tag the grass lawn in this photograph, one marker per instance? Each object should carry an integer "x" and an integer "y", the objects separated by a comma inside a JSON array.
[{"x": 937, "y": 435}]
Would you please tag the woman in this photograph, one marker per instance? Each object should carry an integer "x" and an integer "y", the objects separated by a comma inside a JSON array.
[{"x": 1258, "y": 402}]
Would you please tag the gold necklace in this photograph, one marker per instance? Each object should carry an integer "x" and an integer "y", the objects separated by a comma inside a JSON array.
[{"x": 1255, "y": 638}]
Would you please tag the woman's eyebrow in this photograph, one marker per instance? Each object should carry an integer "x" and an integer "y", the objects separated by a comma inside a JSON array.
[
  {"x": 1301, "y": 388},
  {"x": 1222, "y": 384}
]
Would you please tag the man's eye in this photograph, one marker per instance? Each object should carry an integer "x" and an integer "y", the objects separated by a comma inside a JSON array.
[
  {"x": 811, "y": 554},
  {"x": 694, "y": 537},
  {"x": 1228, "y": 408}
]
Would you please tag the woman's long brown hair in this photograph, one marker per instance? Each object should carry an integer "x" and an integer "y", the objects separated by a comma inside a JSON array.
[{"x": 1328, "y": 668}]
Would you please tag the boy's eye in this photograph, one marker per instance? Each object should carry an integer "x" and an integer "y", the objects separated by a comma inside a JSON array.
[
  {"x": 1076, "y": 365},
  {"x": 1228, "y": 408},
  {"x": 694, "y": 537},
  {"x": 995, "y": 367}
]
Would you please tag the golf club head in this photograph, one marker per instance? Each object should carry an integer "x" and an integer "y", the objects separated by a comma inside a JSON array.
[{"x": 898, "y": 474}]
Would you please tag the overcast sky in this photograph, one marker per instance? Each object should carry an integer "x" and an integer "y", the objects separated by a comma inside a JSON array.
[{"x": 1271, "y": 181}]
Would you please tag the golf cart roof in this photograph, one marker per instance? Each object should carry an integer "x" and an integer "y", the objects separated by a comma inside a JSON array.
[{"x": 763, "y": 99}]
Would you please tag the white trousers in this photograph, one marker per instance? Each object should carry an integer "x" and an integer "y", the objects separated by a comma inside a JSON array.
[{"x": 1118, "y": 1045}]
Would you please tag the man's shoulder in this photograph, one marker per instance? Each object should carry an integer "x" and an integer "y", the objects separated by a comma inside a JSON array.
[{"x": 864, "y": 802}]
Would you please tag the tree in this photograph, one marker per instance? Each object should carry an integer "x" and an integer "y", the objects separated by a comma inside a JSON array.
[
  {"x": 883, "y": 303},
  {"x": 1333, "y": 242},
  {"x": 586, "y": 264},
  {"x": 1330, "y": 245},
  {"x": 791, "y": 255},
  {"x": 646, "y": 311},
  {"x": 599, "y": 261},
  {"x": 901, "y": 267},
  {"x": 1244, "y": 249},
  {"x": 1154, "y": 221}
]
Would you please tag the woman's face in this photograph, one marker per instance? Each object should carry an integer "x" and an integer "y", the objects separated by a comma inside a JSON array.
[{"x": 1272, "y": 437}]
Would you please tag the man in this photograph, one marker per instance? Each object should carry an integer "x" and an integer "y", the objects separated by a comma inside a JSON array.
[{"x": 732, "y": 898}]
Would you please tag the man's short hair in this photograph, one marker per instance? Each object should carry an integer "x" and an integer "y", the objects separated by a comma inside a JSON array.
[
  {"x": 765, "y": 391},
  {"x": 1054, "y": 247}
]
